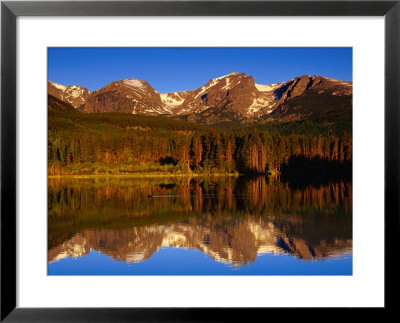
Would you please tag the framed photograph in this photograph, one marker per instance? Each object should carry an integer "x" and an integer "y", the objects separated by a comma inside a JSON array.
[{"x": 186, "y": 160}]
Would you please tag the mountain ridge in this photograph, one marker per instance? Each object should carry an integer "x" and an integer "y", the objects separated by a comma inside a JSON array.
[
  {"x": 73, "y": 94},
  {"x": 232, "y": 97}
]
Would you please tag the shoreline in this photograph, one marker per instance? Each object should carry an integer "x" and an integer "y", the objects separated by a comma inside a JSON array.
[{"x": 142, "y": 175}]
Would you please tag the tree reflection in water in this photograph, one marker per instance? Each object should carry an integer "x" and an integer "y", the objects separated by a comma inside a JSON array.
[{"x": 233, "y": 220}]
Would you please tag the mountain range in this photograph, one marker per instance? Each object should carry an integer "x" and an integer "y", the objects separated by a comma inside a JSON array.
[
  {"x": 239, "y": 245},
  {"x": 232, "y": 97}
]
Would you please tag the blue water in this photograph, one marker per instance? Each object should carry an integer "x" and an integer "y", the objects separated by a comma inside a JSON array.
[
  {"x": 113, "y": 227},
  {"x": 179, "y": 261}
]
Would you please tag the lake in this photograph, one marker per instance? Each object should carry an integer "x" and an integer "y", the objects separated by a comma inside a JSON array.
[{"x": 212, "y": 225}]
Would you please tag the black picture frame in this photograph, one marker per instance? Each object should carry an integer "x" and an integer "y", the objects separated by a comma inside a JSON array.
[{"x": 10, "y": 10}]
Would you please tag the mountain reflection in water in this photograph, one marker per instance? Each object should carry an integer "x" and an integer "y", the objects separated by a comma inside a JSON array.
[{"x": 233, "y": 220}]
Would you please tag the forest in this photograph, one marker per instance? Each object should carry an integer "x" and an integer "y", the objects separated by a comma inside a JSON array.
[
  {"x": 123, "y": 144},
  {"x": 77, "y": 205}
]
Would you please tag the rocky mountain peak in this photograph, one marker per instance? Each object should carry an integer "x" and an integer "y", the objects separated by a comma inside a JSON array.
[
  {"x": 72, "y": 94},
  {"x": 127, "y": 96}
]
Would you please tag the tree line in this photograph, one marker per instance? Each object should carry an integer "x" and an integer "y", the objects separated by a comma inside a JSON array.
[{"x": 93, "y": 144}]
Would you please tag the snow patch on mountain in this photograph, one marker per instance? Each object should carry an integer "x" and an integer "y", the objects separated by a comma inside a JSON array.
[
  {"x": 227, "y": 84},
  {"x": 224, "y": 76},
  {"x": 134, "y": 83},
  {"x": 74, "y": 91},
  {"x": 58, "y": 86},
  {"x": 260, "y": 103},
  {"x": 171, "y": 98},
  {"x": 267, "y": 88}
]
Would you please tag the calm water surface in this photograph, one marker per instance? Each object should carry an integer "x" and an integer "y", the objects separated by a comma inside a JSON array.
[{"x": 198, "y": 226}]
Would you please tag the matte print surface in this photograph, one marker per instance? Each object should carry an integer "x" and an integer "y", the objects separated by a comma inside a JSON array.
[{"x": 200, "y": 161}]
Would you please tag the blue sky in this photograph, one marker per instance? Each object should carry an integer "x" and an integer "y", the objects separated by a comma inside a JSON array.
[
  {"x": 179, "y": 69},
  {"x": 180, "y": 261}
]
